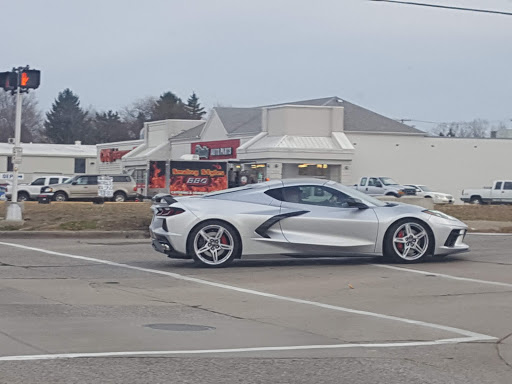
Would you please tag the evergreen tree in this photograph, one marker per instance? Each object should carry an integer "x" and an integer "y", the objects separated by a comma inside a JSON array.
[
  {"x": 108, "y": 127},
  {"x": 193, "y": 107},
  {"x": 169, "y": 106},
  {"x": 67, "y": 122}
]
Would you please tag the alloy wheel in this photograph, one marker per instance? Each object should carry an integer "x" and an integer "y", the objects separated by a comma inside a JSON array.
[
  {"x": 213, "y": 245},
  {"x": 410, "y": 241}
]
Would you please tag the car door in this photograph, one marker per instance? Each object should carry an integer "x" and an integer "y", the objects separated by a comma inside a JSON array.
[
  {"x": 79, "y": 189},
  {"x": 506, "y": 192},
  {"x": 375, "y": 187},
  {"x": 327, "y": 225}
]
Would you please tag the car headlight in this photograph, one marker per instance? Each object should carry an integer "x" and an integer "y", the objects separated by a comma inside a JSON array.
[
  {"x": 439, "y": 214},
  {"x": 48, "y": 190}
]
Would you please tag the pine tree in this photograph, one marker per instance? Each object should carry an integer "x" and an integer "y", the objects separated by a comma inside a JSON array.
[
  {"x": 67, "y": 122},
  {"x": 194, "y": 108},
  {"x": 108, "y": 127},
  {"x": 169, "y": 106}
]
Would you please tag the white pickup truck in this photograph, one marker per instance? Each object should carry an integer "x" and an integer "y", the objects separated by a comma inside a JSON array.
[
  {"x": 33, "y": 190},
  {"x": 499, "y": 193},
  {"x": 378, "y": 185}
]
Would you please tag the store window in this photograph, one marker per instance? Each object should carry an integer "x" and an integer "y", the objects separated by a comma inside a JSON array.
[{"x": 314, "y": 170}]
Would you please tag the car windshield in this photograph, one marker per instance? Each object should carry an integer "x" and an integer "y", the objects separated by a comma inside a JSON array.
[
  {"x": 388, "y": 181},
  {"x": 69, "y": 181},
  {"x": 424, "y": 188},
  {"x": 371, "y": 201}
]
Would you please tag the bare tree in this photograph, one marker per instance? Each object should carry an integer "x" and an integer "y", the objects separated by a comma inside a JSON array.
[
  {"x": 136, "y": 114},
  {"x": 478, "y": 128},
  {"x": 31, "y": 118}
]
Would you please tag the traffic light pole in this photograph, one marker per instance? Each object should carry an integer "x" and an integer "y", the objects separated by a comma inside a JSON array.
[{"x": 14, "y": 209}]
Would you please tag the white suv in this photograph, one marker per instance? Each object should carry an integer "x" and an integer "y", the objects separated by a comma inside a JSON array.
[{"x": 33, "y": 190}]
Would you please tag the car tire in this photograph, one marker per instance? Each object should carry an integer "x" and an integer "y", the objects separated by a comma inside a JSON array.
[
  {"x": 476, "y": 200},
  {"x": 408, "y": 241},
  {"x": 214, "y": 244},
  {"x": 23, "y": 196},
  {"x": 60, "y": 196},
  {"x": 393, "y": 194},
  {"x": 119, "y": 197}
]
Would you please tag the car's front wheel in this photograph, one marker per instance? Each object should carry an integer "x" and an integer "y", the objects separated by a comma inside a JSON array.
[
  {"x": 408, "y": 241},
  {"x": 60, "y": 196},
  {"x": 214, "y": 243}
]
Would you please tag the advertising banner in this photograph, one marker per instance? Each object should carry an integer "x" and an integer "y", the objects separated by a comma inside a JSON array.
[
  {"x": 197, "y": 177},
  {"x": 157, "y": 174}
]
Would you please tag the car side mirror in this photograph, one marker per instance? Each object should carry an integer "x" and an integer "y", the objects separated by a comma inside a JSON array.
[
  {"x": 355, "y": 203},
  {"x": 73, "y": 183}
]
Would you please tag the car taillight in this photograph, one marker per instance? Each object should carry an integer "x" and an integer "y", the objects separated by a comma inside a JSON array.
[
  {"x": 168, "y": 211},
  {"x": 135, "y": 189}
]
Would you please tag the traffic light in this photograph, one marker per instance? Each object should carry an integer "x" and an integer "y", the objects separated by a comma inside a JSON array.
[
  {"x": 30, "y": 78},
  {"x": 9, "y": 80}
]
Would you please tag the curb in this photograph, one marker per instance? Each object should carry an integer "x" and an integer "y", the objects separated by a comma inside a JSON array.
[{"x": 74, "y": 234}]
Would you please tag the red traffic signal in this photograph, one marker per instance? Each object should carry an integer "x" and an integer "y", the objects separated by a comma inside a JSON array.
[
  {"x": 30, "y": 78},
  {"x": 9, "y": 80}
]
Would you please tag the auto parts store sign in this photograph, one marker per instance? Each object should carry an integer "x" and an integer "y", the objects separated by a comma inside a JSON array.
[{"x": 215, "y": 150}]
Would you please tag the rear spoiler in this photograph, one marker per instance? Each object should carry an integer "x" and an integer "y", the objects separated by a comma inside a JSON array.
[{"x": 163, "y": 198}]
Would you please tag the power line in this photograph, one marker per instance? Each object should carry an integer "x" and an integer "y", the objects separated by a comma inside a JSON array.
[{"x": 446, "y": 7}]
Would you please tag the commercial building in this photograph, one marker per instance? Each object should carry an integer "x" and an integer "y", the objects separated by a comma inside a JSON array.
[{"x": 48, "y": 159}]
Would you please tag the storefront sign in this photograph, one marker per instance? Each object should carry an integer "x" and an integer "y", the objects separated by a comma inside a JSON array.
[
  {"x": 109, "y": 155},
  {"x": 215, "y": 150}
]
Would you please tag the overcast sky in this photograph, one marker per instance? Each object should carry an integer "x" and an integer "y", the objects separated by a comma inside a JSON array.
[{"x": 398, "y": 60}]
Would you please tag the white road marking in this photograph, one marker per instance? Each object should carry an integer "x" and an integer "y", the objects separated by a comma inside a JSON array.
[
  {"x": 235, "y": 350},
  {"x": 488, "y": 234},
  {"x": 469, "y": 335},
  {"x": 403, "y": 269}
]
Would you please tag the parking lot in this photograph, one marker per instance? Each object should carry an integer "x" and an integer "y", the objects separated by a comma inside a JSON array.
[{"x": 100, "y": 310}]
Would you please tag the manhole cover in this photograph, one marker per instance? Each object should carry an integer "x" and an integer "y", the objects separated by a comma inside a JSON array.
[{"x": 180, "y": 327}]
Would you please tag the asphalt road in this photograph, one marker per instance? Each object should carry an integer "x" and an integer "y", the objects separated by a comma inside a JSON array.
[{"x": 114, "y": 311}]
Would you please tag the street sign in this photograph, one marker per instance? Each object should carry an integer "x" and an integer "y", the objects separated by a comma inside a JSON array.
[
  {"x": 105, "y": 186},
  {"x": 10, "y": 176}
]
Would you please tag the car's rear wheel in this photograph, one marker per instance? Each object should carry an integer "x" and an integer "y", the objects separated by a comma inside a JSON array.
[
  {"x": 476, "y": 200},
  {"x": 23, "y": 196},
  {"x": 214, "y": 243},
  {"x": 60, "y": 196},
  {"x": 119, "y": 197},
  {"x": 408, "y": 241}
]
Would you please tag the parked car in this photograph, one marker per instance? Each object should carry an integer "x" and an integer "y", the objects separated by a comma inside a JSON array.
[
  {"x": 377, "y": 185},
  {"x": 33, "y": 190},
  {"x": 304, "y": 217},
  {"x": 85, "y": 187},
  {"x": 437, "y": 197},
  {"x": 499, "y": 193},
  {"x": 2, "y": 193}
]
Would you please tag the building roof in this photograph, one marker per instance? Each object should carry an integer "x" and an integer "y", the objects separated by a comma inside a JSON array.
[
  {"x": 240, "y": 121},
  {"x": 51, "y": 150},
  {"x": 247, "y": 121},
  {"x": 192, "y": 133}
]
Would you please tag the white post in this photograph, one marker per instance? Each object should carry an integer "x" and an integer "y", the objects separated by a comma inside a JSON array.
[
  {"x": 16, "y": 152},
  {"x": 14, "y": 209}
]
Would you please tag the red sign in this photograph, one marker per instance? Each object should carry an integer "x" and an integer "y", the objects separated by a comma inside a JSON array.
[
  {"x": 215, "y": 150},
  {"x": 197, "y": 178},
  {"x": 112, "y": 154}
]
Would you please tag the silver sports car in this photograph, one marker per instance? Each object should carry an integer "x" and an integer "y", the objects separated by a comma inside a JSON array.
[{"x": 306, "y": 217}]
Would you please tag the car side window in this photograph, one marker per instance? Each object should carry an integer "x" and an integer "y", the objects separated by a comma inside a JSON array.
[
  {"x": 507, "y": 185},
  {"x": 82, "y": 180},
  {"x": 121, "y": 179},
  {"x": 363, "y": 181},
  {"x": 92, "y": 180},
  {"x": 498, "y": 185},
  {"x": 276, "y": 193},
  {"x": 54, "y": 180},
  {"x": 372, "y": 182},
  {"x": 39, "y": 181}
]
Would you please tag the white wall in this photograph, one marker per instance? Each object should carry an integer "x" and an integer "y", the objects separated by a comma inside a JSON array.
[
  {"x": 445, "y": 164},
  {"x": 160, "y": 131},
  {"x": 213, "y": 130}
]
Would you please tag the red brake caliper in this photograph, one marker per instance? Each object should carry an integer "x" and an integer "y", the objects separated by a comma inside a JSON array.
[
  {"x": 400, "y": 246},
  {"x": 223, "y": 239}
]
